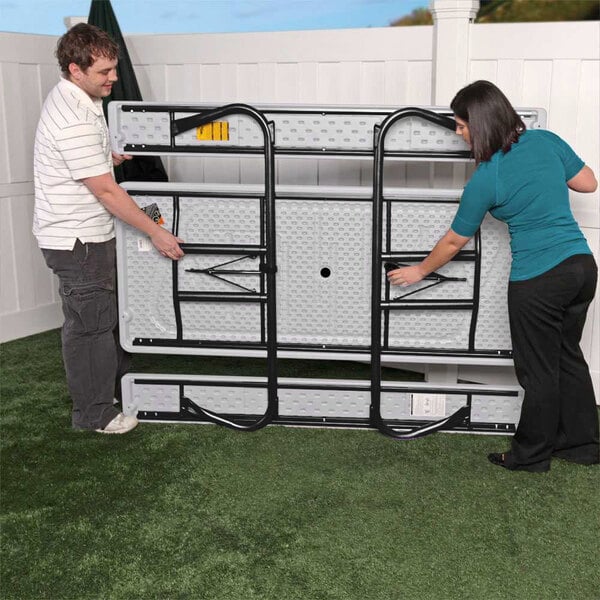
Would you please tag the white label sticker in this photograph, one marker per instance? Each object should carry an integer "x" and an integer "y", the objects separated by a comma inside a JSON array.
[
  {"x": 144, "y": 244},
  {"x": 428, "y": 405}
]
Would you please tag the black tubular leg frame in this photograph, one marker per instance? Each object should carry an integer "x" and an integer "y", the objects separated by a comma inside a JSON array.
[
  {"x": 270, "y": 268},
  {"x": 460, "y": 416}
]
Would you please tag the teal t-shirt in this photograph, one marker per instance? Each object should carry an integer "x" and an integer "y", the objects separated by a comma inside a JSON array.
[{"x": 526, "y": 188}]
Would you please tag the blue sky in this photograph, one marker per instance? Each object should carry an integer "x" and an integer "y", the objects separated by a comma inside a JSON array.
[{"x": 208, "y": 16}]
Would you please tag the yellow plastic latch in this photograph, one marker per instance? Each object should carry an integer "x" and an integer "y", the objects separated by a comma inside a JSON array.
[{"x": 216, "y": 131}]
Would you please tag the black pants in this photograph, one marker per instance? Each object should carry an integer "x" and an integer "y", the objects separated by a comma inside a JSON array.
[
  {"x": 92, "y": 357},
  {"x": 547, "y": 313}
]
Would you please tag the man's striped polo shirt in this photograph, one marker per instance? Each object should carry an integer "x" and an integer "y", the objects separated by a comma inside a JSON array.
[{"x": 71, "y": 143}]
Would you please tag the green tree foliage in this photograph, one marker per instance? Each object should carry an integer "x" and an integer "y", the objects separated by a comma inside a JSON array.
[
  {"x": 518, "y": 11},
  {"x": 512, "y": 11},
  {"x": 419, "y": 16}
]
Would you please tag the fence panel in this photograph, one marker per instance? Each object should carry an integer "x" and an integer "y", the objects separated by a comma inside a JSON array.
[{"x": 550, "y": 65}]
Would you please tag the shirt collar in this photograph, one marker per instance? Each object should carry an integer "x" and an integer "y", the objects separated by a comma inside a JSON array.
[{"x": 94, "y": 104}]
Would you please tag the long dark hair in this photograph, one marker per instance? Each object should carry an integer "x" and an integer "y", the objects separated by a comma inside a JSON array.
[{"x": 493, "y": 122}]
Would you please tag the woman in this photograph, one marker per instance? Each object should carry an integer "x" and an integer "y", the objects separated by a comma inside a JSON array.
[{"x": 522, "y": 178}]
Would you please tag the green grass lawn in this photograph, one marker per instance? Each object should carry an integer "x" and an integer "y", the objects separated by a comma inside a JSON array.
[{"x": 203, "y": 512}]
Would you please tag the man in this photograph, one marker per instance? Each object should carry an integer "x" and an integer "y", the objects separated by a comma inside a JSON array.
[{"x": 76, "y": 198}]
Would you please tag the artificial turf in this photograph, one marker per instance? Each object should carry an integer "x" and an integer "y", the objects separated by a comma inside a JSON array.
[{"x": 203, "y": 512}]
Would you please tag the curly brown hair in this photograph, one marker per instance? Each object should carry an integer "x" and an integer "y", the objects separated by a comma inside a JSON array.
[{"x": 82, "y": 45}]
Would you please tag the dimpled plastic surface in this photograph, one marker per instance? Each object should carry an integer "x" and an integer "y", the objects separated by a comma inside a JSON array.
[
  {"x": 320, "y": 131},
  {"x": 313, "y": 129},
  {"x": 323, "y": 277},
  {"x": 500, "y": 407}
]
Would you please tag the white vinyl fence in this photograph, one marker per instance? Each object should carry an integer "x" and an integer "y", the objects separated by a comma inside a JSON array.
[{"x": 554, "y": 66}]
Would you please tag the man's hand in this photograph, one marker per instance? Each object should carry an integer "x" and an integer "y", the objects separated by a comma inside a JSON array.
[
  {"x": 119, "y": 203},
  {"x": 120, "y": 158},
  {"x": 167, "y": 244}
]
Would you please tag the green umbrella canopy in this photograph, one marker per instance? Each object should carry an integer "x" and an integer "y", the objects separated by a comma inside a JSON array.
[{"x": 141, "y": 168}]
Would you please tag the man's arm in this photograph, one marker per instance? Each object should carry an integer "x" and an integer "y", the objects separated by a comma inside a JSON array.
[
  {"x": 443, "y": 252},
  {"x": 118, "y": 202}
]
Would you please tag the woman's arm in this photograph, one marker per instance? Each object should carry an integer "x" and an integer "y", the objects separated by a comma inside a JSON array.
[
  {"x": 443, "y": 252},
  {"x": 584, "y": 181}
]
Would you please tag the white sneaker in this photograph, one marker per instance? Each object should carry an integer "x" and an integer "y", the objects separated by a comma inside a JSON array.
[{"x": 120, "y": 424}]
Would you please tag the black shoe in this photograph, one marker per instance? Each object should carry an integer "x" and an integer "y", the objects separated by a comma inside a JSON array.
[{"x": 505, "y": 460}]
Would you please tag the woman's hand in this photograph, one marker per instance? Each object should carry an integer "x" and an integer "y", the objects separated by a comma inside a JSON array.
[
  {"x": 406, "y": 275},
  {"x": 443, "y": 252}
]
